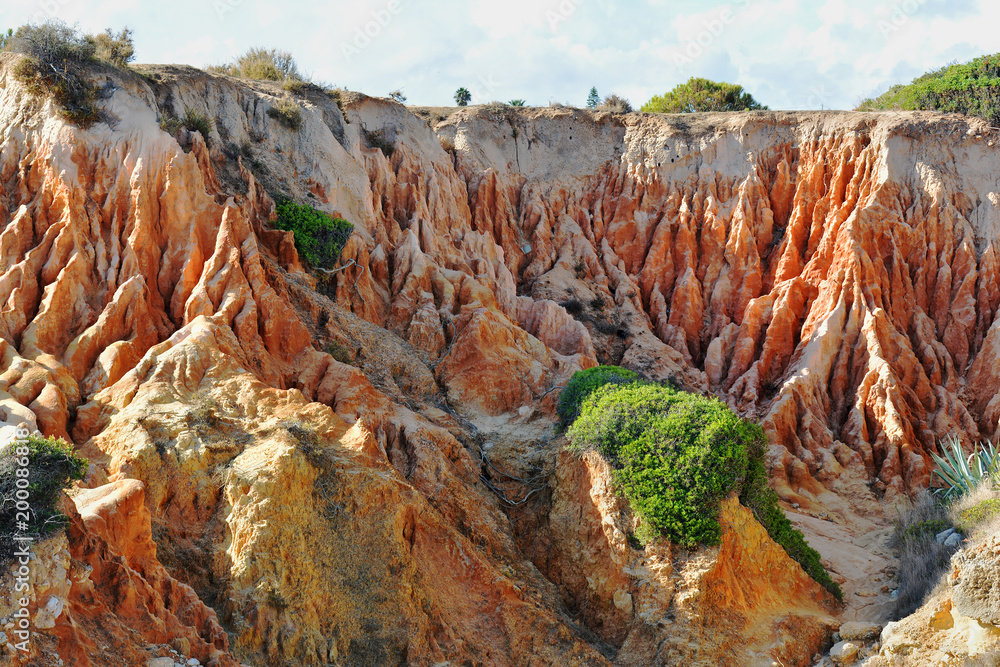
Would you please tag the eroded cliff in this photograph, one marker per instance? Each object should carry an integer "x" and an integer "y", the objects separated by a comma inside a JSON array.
[{"x": 830, "y": 274}]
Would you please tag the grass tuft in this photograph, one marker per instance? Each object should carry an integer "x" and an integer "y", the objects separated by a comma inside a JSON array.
[{"x": 288, "y": 113}]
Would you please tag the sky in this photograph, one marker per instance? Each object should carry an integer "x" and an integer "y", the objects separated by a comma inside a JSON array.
[{"x": 789, "y": 54}]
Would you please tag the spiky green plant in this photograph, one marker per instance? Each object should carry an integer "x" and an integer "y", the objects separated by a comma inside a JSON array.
[{"x": 964, "y": 473}]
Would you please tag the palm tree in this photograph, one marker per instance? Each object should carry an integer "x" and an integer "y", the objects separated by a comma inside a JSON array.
[
  {"x": 463, "y": 97},
  {"x": 516, "y": 103}
]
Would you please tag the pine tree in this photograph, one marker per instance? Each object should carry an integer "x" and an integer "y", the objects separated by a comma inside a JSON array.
[{"x": 593, "y": 99}]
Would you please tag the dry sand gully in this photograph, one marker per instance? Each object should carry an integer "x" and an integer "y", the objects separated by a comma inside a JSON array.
[{"x": 254, "y": 500}]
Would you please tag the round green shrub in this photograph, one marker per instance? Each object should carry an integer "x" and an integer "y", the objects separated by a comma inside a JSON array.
[
  {"x": 583, "y": 383},
  {"x": 676, "y": 455}
]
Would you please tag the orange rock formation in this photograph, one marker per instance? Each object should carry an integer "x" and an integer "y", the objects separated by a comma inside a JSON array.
[{"x": 830, "y": 274}]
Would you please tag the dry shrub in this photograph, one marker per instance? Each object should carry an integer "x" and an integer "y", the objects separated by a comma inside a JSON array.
[
  {"x": 923, "y": 561},
  {"x": 288, "y": 113}
]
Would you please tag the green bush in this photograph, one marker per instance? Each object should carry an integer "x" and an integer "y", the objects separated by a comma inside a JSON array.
[
  {"x": 676, "y": 455},
  {"x": 75, "y": 96},
  {"x": 51, "y": 464},
  {"x": 979, "y": 513},
  {"x": 703, "y": 95},
  {"x": 319, "y": 238},
  {"x": 339, "y": 352},
  {"x": 294, "y": 86},
  {"x": 288, "y": 113},
  {"x": 921, "y": 530},
  {"x": 971, "y": 88},
  {"x": 583, "y": 383}
]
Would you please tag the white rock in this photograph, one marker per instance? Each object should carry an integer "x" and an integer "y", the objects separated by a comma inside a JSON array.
[
  {"x": 192, "y": 662},
  {"x": 623, "y": 600},
  {"x": 45, "y": 617},
  {"x": 844, "y": 653},
  {"x": 8, "y": 433},
  {"x": 855, "y": 631},
  {"x": 160, "y": 662},
  {"x": 943, "y": 535},
  {"x": 953, "y": 540}
]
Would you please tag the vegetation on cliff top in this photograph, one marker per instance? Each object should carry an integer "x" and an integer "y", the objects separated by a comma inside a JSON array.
[
  {"x": 33, "y": 473},
  {"x": 675, "y": 455},
  {"x": 261, "y": 64},
  {"x": 971, "y": 88},
  {"x": 54, "y": 62},
  {"x": 703, "y": 95}
]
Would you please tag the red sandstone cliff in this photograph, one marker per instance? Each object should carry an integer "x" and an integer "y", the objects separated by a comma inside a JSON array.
[{"x": 830, "y": 274}]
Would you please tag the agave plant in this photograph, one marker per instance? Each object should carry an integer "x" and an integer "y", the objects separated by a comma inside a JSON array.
[{"x": 964, "y": 473}]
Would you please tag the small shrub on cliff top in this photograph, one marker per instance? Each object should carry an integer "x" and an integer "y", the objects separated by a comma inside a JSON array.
[
  {"x": 51, "y": 464},
  {"x": 703, "y": 95},
  {"x": 319, "y": 238},
  {"x": 584, "y": 383},
  {"x": 55, "y": 56},
  {"x": 263, "y": 64},
  {"x": 115, "y": 49},
  {"x": 616, "y": 104}
]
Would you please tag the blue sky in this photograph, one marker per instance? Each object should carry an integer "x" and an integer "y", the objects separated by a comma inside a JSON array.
[{"x": 789, "y": 54}]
